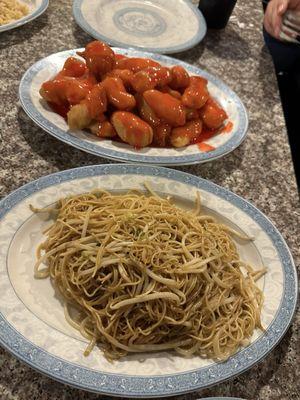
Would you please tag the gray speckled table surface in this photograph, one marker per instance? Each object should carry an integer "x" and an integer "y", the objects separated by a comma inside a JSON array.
[{"x": 260, "y": 170}]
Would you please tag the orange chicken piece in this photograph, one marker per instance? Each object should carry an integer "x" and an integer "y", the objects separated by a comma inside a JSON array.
[
  {"x": 212, "y": 114},
  {"x": 117, "y": 94},
  {"x": 166, "y": 107},
  {"x": 73, "y": 67},
  {"x": 184, "y": 135},
  {"x": 99, "y": 58},
  {"x": 132, "y": 129},
  {"x": 180, "y": 78},
  {"x": 66, "y": 90},
  {"x": 124, "y": 74},
  {"x": 90, "y": 108},
  {"x": 145, "y": 111},
  {"x": 150, "y": 77},
  {"x": 196, "y": 94},
  {"x": 103, "y": 129},
  {"x": 135, "y": 64}
]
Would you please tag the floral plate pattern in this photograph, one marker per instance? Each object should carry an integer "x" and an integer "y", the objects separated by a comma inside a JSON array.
[{"x": 151, "y": 25}]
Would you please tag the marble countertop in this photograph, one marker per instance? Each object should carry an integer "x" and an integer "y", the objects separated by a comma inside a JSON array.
[{"x": 260, "y": 170}]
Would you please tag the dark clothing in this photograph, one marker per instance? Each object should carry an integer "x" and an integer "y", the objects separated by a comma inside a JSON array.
[{"x": 286, "y": 58}]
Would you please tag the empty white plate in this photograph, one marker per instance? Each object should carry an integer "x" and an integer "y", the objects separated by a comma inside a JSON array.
[{"x": 153, "y": 25}]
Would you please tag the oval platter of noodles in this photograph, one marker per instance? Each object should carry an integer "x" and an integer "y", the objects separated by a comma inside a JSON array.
[{"x": 140, "y": 281}]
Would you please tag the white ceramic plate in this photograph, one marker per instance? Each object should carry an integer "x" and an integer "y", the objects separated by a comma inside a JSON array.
[
  {"x": 38, "y": 110},
  {"x": 220, "y": 398},
  {"x": 36, "y": 8},
  {"x": 151, "y": 25},
  {"x": 32, "y": 324}
]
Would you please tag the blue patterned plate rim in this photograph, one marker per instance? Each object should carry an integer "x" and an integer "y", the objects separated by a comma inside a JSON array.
[
  {"x": 236, "y": 139},
  {"x": 220, "y": 398},
  {"x": 15, "y": 24},
  {"x": 199, "y": 35},
  {"x": 163, "y": 385}
]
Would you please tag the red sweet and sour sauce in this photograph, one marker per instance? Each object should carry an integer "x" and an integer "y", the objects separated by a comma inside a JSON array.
[
  {"x": 205, "y": 146},
  {"x": 227, "y": 128},
  {"x": 209, "y": 133},
  {"x": 62, "y": 110}
]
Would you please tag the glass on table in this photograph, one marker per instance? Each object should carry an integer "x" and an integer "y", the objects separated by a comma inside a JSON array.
[{"x": 217, "y": 12}]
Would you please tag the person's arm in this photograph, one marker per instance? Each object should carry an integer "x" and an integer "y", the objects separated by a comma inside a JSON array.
[{"x": 274, "y": 13}]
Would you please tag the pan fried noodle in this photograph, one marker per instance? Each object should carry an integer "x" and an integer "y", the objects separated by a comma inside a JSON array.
[{"x": 148, "y": 276}]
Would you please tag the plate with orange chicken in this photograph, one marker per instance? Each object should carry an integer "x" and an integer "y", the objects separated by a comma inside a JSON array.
[{"x": 132, "y": 106}]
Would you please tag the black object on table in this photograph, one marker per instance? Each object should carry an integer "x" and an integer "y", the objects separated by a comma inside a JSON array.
[
  {"x": 217, "y": 12},
  {"x": 286, "y": 58}
]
